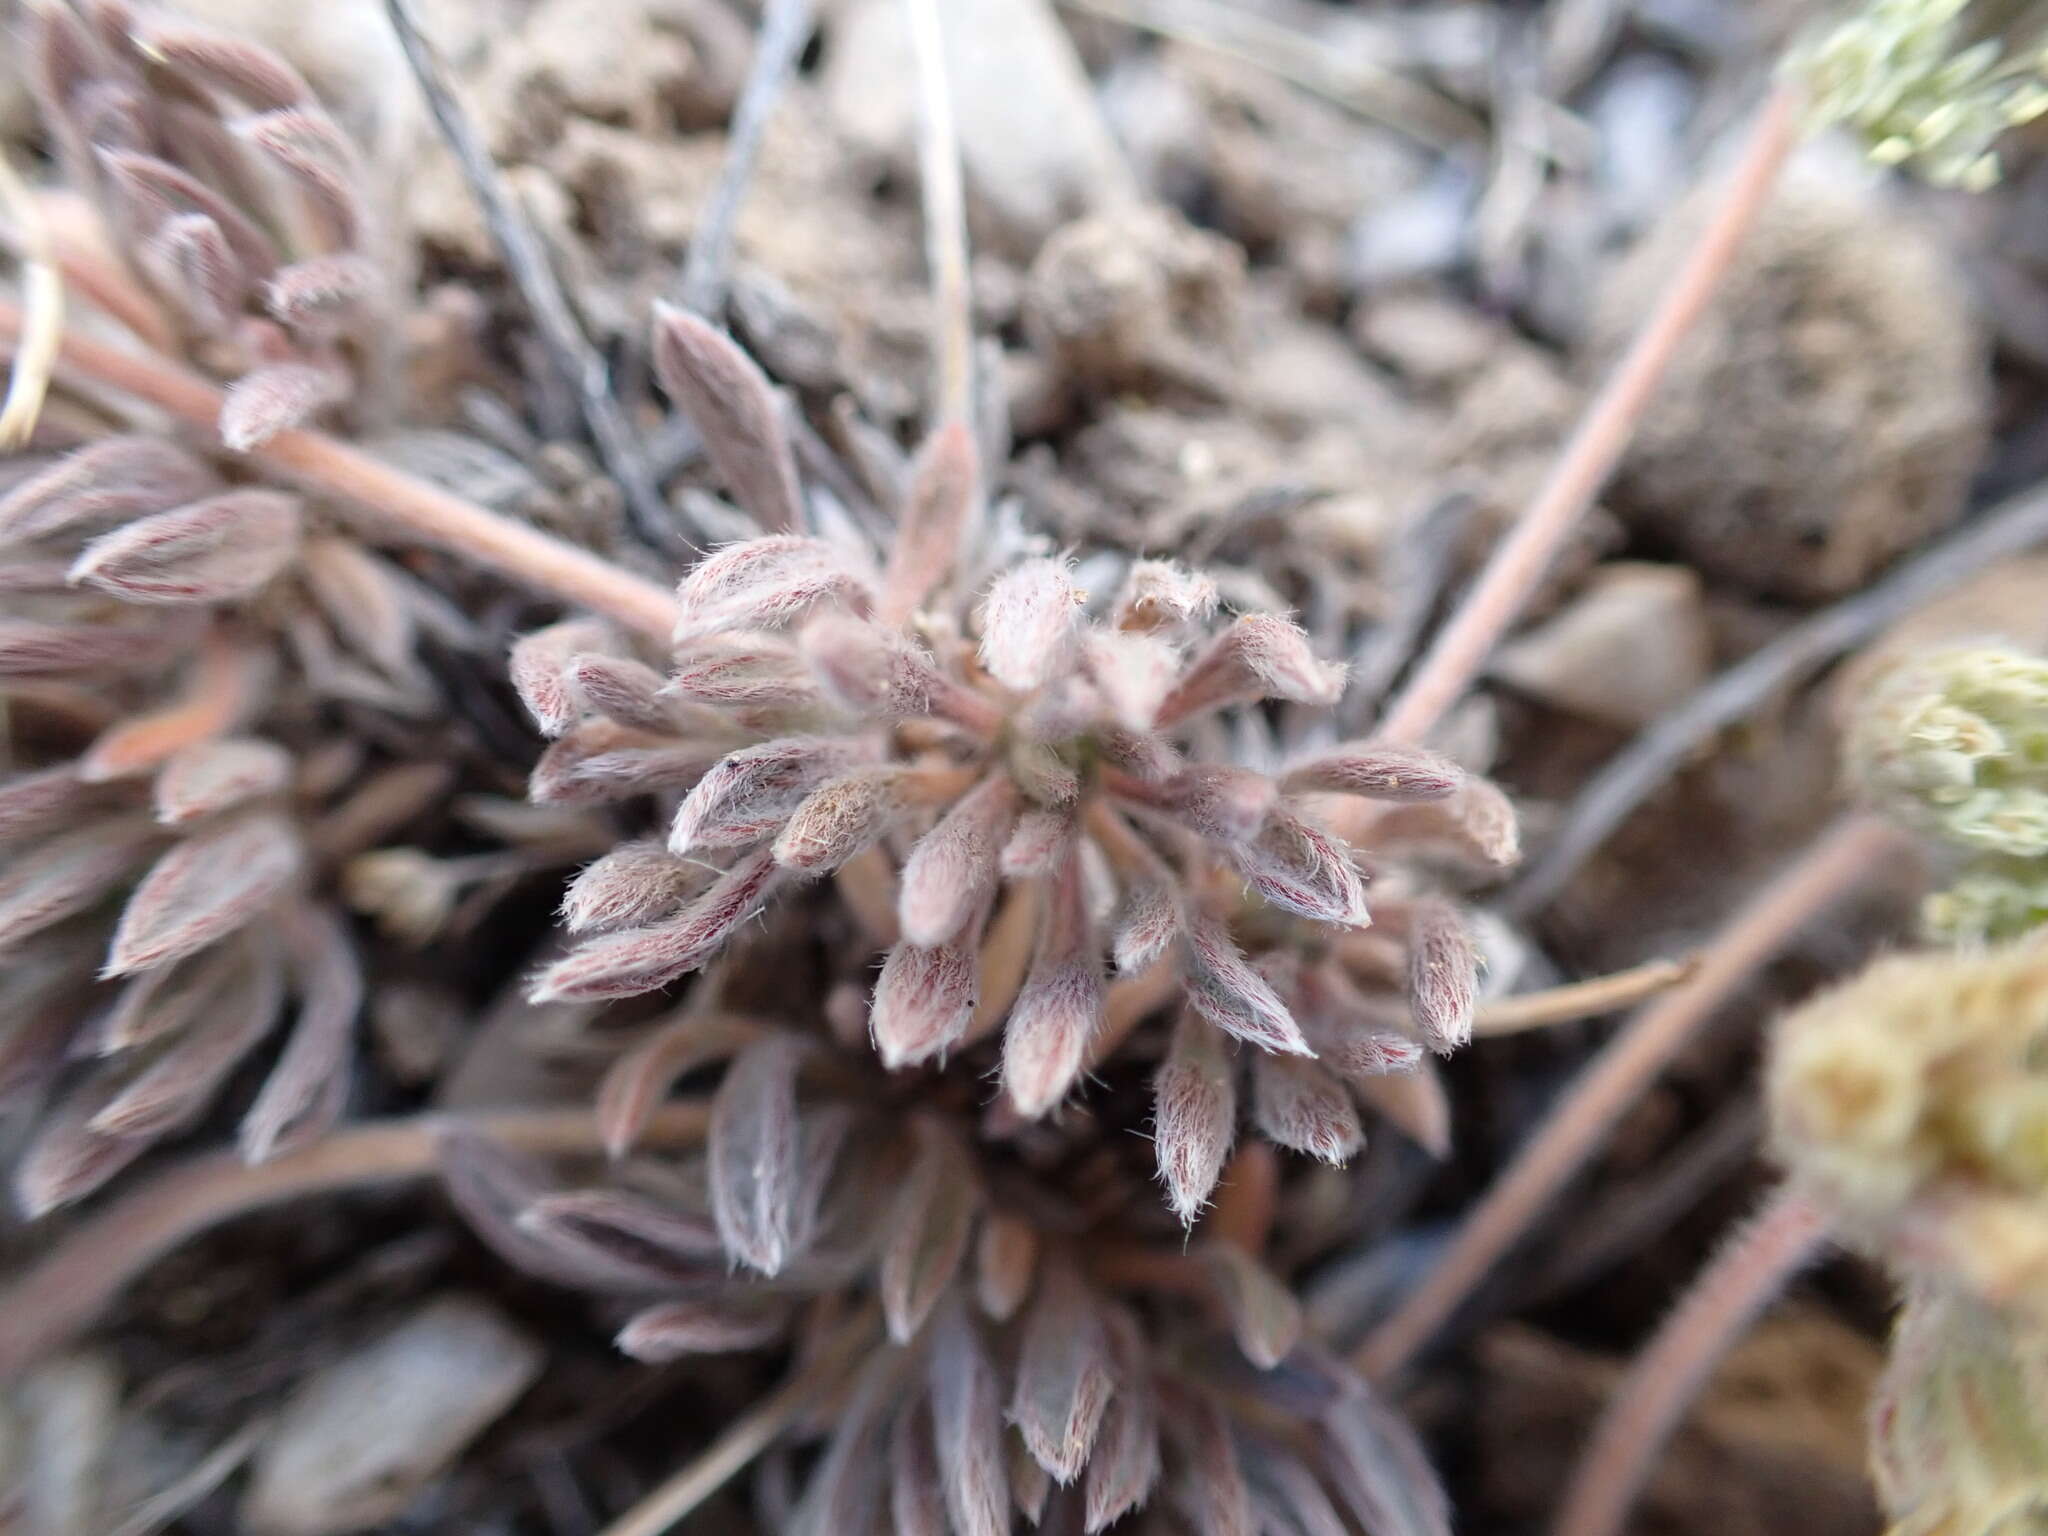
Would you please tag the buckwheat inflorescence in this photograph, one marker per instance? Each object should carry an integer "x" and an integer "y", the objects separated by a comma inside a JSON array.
[
  {"x": 1960, "y": 1421},
  {"x": 1911, "y": 1104},
  {"x": 1954, "y": 740},
  {"x": 1905, "y": 76}
]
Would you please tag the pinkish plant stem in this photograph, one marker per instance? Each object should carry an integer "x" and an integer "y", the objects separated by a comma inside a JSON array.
[
  {"x": 1850, "y": 853},
  {"x": 1581, "y": 999},
  {"x": 89, "y": 1265},
  {"x": 383, "y": 494},
  {"x": 1503, "y": 588},
  {"x": 1247, "y": 1199},
  {"x": 1662, "y": 1382}
]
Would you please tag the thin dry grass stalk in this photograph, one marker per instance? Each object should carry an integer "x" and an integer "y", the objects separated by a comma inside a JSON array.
[
  {"x": 50, "y": 1302},
  {"x": 785, "y": 28},
  {"x": 1345, "y": 76},
  {"x": 1582, "y": 999},
  {"x": 581, "y": 365},
  {"x": 42, "y": 286},
  {"x": 1851, "y": 852},
  {"x": 1662, "y": 1381},
  {"x": 1596, "y": 446},
  {"x": 384, "y": 495},
  {"x": 945, "y": 220}
]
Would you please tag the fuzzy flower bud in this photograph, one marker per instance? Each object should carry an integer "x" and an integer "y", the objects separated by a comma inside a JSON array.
[
  {"x": 1961, "y": 1420},
  {"x": 1195, "y": 1118},
  {"x": 1957, "y": 739},
  {"x": 1905, "y": 76},
  {"x": 1913, "y": 1104},
  {"x": 1993, "y": 899},
  {"x": 1027, "y": 621}
]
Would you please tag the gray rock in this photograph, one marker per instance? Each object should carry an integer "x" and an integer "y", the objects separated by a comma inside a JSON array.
[
  {"x": 1630, "y": 646},
  {"x": 360, "y": 1439}
]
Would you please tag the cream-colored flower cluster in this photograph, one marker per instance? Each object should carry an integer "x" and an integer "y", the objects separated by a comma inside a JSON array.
[
  {"x": 1905, "y": 77},
  {"x": 1913, "y": 1103},
  {"x": 1955, "y": 740}
]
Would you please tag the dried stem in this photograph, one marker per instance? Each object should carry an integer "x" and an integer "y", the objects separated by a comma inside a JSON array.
[
  {"x": 426, "y": 512},
  {"x": 945, "y": 220},
  {"x": 580, "y": 364},
  {"x": 1853, "y": 850},
  {"x": 785, "y": 27},
  {"x": 1605, "y": 800},
  {"x": 42, "y": 290},
  {"x": 1722, "y": 1302},
  {"x": 88, "y": 1267},
  {"x": 1596, "y": 446},
  {"x": 1582, "y": 999},
  {"x": 747, "y": 1436}
]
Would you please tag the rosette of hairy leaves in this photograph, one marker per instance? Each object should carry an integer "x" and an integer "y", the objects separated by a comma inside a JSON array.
[
  {"x": 1028, "y": 783},
  {"x": 1010, "y": 1369}
]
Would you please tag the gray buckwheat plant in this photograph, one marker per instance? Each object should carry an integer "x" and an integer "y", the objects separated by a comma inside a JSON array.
[
  {"x": 194, "y": 662},
  {"x": 1020, "y": 796},
  {"x": 1006, "y": 911}
]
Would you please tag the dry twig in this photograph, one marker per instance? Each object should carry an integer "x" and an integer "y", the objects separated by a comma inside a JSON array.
[
  {"x": 1520, "y": 560},
  {"x": 945, "y": 221},
  {"x": 1631, "y": 1217},
  {"x": 580, "y": 364},
  {"x": 426, "y": 512},
  {"x": 1582, "y": 999},
  {"x": 707, "y": 269}
]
